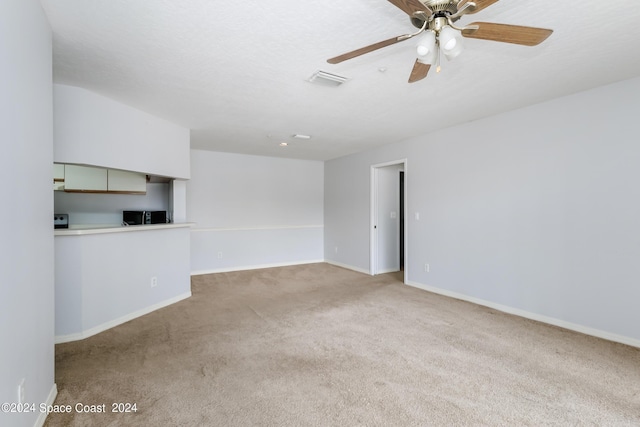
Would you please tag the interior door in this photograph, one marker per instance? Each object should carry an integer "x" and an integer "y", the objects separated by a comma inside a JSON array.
[{"x": 388, "y": 210}]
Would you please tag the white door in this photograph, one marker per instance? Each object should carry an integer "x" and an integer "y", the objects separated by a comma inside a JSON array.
[{"x": 385, "y": 217}]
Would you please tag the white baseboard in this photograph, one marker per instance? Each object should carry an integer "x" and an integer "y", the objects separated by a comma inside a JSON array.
[
  {"x": 348, "y": 267},
  {"x": 533, "y": 316},
  {"x": 389, "y": 270},
  {"x": 283, "y": 264},
  {"x": 59, "y": 339},
  {"x": 253, "y": 267},
  {"x": 50, "y": 399}
]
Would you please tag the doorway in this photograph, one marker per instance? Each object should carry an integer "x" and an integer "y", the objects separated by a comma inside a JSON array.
[
  {"x": 388, "y": 248},
  {"x": 401, "y": 218}
]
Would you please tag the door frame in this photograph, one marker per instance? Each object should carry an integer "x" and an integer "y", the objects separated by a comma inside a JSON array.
[{"x": 373, "y": 234}]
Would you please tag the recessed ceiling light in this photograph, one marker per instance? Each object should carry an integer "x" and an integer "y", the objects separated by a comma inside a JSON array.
[
  {"x": 283, "y": 144},
  {"x": 301, "y": 136}
]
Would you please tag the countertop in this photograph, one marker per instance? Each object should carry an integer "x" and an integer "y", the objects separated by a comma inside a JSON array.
[{"x": 81, "y": 230}]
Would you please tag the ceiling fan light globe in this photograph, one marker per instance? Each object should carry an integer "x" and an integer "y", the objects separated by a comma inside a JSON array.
[
  {"x": 429, "y": 58},
  {"x": 423, "y": 50},
  {"x": 450, "y": 42},
  {"x": 453, "y": 53},
  {"x": 426, "y": 47},
  {"x": 450, "y": 45}
]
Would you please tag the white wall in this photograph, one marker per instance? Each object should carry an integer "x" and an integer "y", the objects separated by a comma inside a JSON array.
[
  {"x": 26, "y": 242},
  {"x": 178, "y": 200},
  {"x": 253, "y": 211},
  {"x": 103, "y": 280},
  {"x": 534, "y": 211},
  {"x": 94, "y": 130},
  {"x": 347, "y": 210}
]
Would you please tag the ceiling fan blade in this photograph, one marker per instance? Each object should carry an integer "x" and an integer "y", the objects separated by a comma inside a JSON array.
[
  {"x": 480, "y": 4},
  {"x": 411, "y": 6},
  {"x": 528, "y": 36},
  {"x": 363, "y": 50},
  {"x": 419, "y": 71}
]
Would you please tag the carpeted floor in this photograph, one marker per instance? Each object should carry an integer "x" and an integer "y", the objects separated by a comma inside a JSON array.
[{"x": 318, "y": 345}]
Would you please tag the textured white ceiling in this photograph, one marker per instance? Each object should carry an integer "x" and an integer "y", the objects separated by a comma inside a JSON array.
[{"x": 235, "y": 72}]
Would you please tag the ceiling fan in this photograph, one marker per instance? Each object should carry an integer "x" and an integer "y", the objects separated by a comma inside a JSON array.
[{"x": 438, "y": 34}]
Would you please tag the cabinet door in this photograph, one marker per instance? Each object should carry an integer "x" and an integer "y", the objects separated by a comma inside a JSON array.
[
  {"x": 58, "y": 176},
  {"x": 58, "y": 172},
  {"x": 84, "y": 178},
  {"x": 125, "y": 181}
]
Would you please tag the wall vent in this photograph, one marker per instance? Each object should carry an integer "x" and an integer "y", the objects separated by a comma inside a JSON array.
[{"x": 326, "y": 79}]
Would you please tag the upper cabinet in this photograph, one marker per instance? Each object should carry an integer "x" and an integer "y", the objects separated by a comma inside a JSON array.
[
  {"x": 88, "y": 179},
  {"x": 84, "y": 178},
  {"x": 58, "y": 176},
  {"x": 125, "y": 181}
]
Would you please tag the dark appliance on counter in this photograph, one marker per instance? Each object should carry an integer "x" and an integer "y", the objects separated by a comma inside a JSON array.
[
  {"x": 144, "y": 217},
  {"x": 60, "y": 220}
]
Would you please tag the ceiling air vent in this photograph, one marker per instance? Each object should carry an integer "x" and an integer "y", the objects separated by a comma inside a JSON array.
[{"x": 326, "y": 79}]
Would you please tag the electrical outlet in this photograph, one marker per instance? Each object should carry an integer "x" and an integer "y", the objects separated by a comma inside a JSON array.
[
  {"x": 219, "y": 255},
  {"x": 426, "y": 268},
  {"x": 154, "y": 281}
]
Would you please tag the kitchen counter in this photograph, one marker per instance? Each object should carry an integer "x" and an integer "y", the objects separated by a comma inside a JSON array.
[
  {"x": 83, "y": 230},
  {"x": 108, "y": 275}
]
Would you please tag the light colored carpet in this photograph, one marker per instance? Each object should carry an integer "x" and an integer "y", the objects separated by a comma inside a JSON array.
[{"x": 319, "y": 345}]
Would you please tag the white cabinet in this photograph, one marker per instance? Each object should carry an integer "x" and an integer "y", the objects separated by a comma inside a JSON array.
[
  {"x": 58, "y": 172},
  {"x": 58, "y": 176},
  {"x": 90, "y": 179},
  {"x": 84, "y": 178},
  {"x": 125, "y": 181}
]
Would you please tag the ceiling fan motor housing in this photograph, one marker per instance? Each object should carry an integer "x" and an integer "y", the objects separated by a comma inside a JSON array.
[{"x": 440, "y": 8}]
